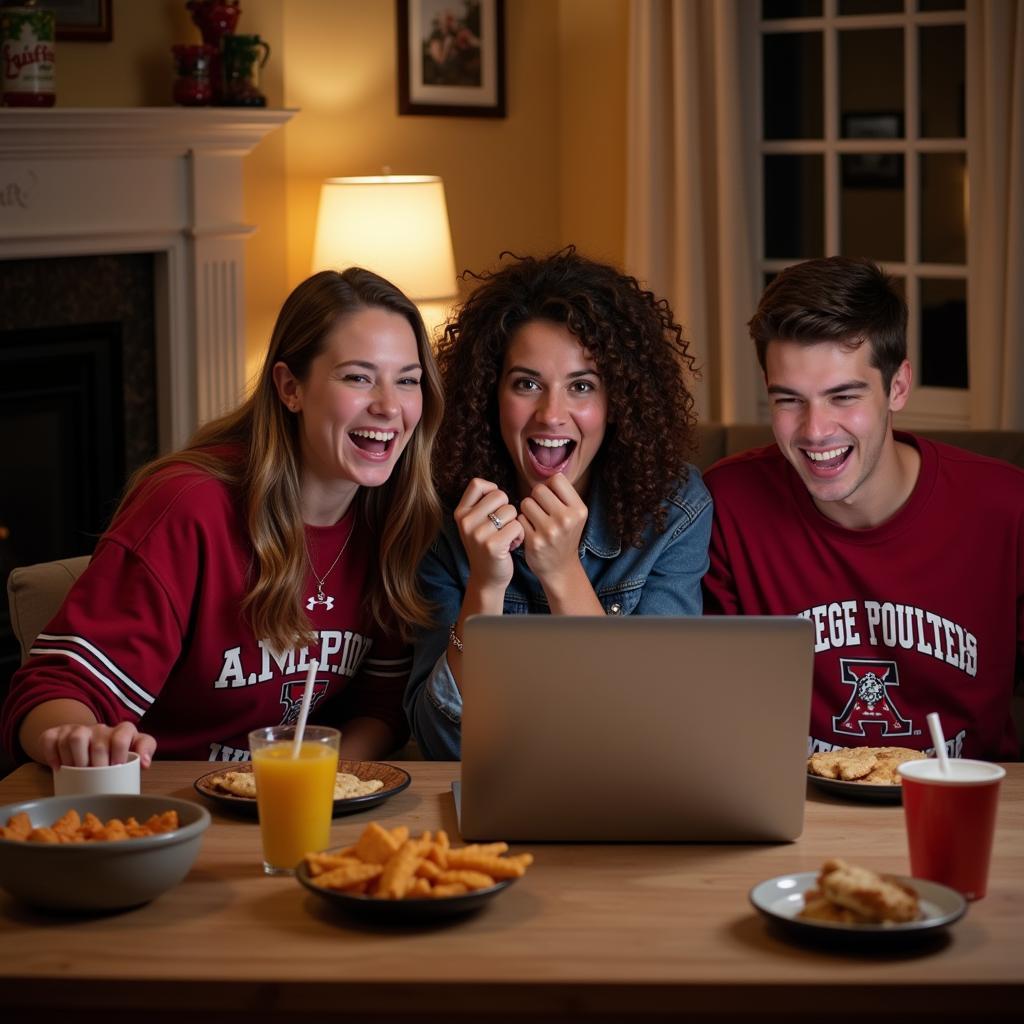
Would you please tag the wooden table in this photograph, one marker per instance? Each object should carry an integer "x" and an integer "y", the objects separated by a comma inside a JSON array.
[{"x": 616, "y": 930}]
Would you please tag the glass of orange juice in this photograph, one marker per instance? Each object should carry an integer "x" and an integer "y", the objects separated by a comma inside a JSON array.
[{"x": 294, "y": 792}]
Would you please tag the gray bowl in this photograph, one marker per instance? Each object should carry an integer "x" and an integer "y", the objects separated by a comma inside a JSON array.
[{"x": 100, "y": 875}]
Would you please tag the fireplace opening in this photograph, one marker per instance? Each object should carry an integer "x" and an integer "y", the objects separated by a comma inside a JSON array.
[
  {"x": 61, "y": 438},
  {"x": 78, "y": 405}
]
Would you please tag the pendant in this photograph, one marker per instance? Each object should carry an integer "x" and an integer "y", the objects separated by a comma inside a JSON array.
[{"x": 327, "y": 602}]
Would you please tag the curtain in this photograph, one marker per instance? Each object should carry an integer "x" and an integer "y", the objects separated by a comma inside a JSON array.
[
  {"x": 995, "y": 160},
  {"x": 692, "y": 187}
]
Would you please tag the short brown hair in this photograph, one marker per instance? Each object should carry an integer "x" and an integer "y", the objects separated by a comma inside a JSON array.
[{"x": 844, "y": 299}]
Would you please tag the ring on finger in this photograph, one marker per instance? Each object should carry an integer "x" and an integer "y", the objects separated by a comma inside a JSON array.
[{"x": 495, "y": 521}]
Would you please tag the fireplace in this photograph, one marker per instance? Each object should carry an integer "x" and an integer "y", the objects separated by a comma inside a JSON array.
[{"x": 102, "y": 209}]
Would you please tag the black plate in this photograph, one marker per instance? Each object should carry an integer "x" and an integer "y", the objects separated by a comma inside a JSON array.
[
  {"x": 865, "y": 791},
  {"x": 781, "y": 899},
  {"x": 370, "y": 908},
  {"x": 395, "y": 779}
]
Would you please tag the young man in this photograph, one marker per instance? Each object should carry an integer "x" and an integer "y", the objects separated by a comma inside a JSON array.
[{"x": 907, "y": 555}]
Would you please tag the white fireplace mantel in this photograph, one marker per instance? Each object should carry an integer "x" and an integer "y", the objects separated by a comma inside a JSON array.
[{"x": 166, "y": 180}]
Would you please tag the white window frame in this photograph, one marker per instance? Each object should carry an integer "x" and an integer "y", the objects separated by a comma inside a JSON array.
[{"x": 929, "y": 407}]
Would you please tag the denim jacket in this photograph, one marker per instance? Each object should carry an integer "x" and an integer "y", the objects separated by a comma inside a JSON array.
[{"x": 661, "y": 578}]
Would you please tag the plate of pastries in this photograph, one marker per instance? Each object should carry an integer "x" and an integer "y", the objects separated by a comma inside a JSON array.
[
  {"x": 861, "y": 773},
  {"x": 359, "y": 785},
  {"x": 852, "y": 903}
]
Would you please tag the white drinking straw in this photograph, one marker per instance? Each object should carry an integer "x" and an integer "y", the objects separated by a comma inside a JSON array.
[
  {"x": 935, "y": 727},
  {"x": 307, "y": 696}
]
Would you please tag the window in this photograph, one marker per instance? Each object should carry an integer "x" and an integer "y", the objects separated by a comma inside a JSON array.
[{"x": 863, "y": 149}]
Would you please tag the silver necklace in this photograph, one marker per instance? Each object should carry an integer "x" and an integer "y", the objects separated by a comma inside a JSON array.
[{"x": 320, "y": 598}]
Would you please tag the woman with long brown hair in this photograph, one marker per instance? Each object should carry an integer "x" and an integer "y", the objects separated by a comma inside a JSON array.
[
  {"x": 288, "y": 530},
  {"x": 562, "y": 458}
]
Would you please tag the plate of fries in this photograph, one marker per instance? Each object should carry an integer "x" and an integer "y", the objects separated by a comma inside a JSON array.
[
  {"x": 389, "y": 875},
  {"x": 233, "y": 786}
]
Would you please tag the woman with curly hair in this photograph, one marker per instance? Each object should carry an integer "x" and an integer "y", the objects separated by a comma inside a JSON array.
[
  {"x": 563, "y": 457},
  {"x": 288, "y": 531}
]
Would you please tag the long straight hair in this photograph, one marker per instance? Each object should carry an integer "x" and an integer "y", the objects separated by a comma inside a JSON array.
[{"x": 255, "y": 451}]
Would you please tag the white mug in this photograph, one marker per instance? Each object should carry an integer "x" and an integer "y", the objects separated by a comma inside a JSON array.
[{"x": 112, "y": 778}]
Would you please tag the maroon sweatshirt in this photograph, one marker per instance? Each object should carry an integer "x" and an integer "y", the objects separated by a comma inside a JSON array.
[
  {"x": 153, "y": 631},
  {"x": 923, "y": 613}
]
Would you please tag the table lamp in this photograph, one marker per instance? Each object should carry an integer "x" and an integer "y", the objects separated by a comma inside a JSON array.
[{"x": 397, "y": 226}]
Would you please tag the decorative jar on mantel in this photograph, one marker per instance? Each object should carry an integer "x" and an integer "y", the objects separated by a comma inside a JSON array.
[
  {"x": 193, "y": 70},
  {"x": 214, "y": 18}
]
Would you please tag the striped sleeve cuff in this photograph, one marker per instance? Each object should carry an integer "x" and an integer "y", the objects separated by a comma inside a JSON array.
[{"x": 78, "y": 649}]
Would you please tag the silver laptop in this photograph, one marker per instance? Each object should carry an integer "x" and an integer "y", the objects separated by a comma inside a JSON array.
[{"x": 634, "y": 729}]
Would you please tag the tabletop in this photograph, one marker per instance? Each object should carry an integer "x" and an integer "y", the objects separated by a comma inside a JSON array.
[{"x": 625, "y": 930}]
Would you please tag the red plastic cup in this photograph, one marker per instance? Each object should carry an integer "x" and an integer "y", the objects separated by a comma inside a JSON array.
[{"x": 951, "y": 821}]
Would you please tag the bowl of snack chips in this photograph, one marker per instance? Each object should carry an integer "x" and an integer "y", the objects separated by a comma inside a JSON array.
[
  {"x": 390, "y": 875},
  {"x": 97, "y": 853}
]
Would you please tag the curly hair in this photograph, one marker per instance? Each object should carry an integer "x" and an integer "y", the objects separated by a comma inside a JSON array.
[{"x": 640, "y": 354}]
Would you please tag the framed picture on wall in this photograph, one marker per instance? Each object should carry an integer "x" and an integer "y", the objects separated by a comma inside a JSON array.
[
  {"x": 82, "y": 20},
  {"x": 451, "y": 57}
]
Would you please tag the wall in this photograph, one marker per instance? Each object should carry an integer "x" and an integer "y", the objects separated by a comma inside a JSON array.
[
  {"x": 501, "y": 175},
  {"x": 134, "y": 69},
  {"x": 550, "y": 173},
  {"x": 266, "y": 257},
  {"x": 593, "y": 58}
]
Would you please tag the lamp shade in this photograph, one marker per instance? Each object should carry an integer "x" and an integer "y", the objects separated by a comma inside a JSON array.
[{"x": 395, "y": 225}]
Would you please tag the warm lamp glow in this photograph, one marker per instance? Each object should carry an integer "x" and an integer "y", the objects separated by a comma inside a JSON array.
[{"x": 395, "y": 225}]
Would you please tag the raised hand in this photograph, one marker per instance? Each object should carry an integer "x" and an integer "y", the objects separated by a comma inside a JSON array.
[
  {"x": 553, "y": 517},
  {"x": 489, "y": 544}
]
